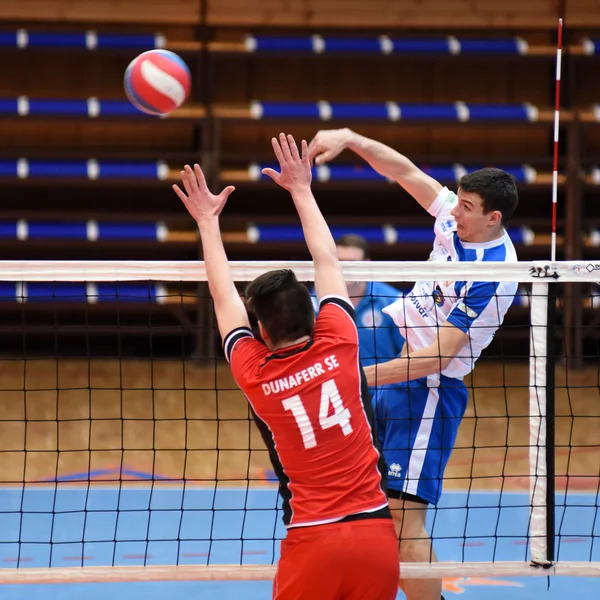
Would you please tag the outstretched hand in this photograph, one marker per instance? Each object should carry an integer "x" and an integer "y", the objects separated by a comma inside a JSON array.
[
  {"x": 327, "y": 144},
  {"x": 296, "y": 172},
  {"x": 199, "y": 201}
]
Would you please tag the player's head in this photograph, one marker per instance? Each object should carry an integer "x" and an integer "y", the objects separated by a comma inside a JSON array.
[
  {"x": 487, "y": 199},
  {"x": 352, "y": 247},
  {"x": 282, "y": 306}
]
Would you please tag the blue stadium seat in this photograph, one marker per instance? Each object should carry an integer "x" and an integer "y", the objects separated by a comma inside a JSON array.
[
  {"x": 363, "y": 172},
  {"x": 448, "y": 45},
  {"x": 82, "y": 107},
  {"x": 591, "y": 46},
  {"x": 82, "y": 292},
  {"x": 84, "y": 40},
  {"x": 383, "y": 234},
  {"x": 24, "y": 168},
  {"x": 391, "y": 111},
  {"x": 90, "y": 231}
]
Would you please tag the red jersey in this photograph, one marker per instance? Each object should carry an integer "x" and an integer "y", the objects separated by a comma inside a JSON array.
[{"x": 311, "y": 404}]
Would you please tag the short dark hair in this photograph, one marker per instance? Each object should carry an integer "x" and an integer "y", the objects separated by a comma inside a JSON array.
[
  {"x": 497, "y": 188},
  {"x": 282, "y": 304},
  {"x": 353, "y": 240}
]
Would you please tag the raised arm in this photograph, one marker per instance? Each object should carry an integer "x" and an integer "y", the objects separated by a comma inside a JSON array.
[
  {"x": 205, "y": 208},
  {"x": 296, "y": 177},
  {"x": 327, "y": 144}
]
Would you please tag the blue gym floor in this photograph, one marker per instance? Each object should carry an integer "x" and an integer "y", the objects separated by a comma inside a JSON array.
[{"x": 71, "y": 526}]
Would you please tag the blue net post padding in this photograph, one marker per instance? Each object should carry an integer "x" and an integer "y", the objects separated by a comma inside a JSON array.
[
  {"x": 424, "y": 112},
  {"x": 431, "y": 46},
  {"x": 498, "y": 112},
  {"x": 127, "y": 231},
  {"x": 57, "y": 230},
  {"x": 115, "y": 170},
  {"x": 355, "y": 110},
  {"x": 468, "y": 46},
  {"x": 8, "y": 229},
  {"x": 298, "y": 110}
]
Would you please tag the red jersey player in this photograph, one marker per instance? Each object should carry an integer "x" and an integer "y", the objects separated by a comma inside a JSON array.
[{"x": 309, "y": 399}]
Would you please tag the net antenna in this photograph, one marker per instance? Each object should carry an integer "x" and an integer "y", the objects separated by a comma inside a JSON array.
[
  {"x": 556, "y": 137},
  {"x": 542, "y": 380}
]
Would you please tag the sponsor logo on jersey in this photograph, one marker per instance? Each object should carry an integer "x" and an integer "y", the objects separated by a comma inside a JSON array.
[
  {"x": 438, "y": 296},
  {"x": 395, "y": 470},
  {"x": 420, "y": 309},
  {"x": 447, "y": 225}
]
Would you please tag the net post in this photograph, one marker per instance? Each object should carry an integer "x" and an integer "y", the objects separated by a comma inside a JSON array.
[
  {"x": 538, "y": 476},
  {"x": 542, "y": 383},
  {"x": 552, "y": 356}
]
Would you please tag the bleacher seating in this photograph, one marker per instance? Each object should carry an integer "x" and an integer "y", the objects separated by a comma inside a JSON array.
[{"x": 452, "y": 87}]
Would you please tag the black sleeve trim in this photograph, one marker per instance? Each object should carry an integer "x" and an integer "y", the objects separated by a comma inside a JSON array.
[
  {"x": 233, "y": 337},
  {"x": 342, "y": 302}
]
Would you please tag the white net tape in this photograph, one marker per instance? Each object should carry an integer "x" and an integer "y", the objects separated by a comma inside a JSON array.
[{"x": 104, "y": 270}]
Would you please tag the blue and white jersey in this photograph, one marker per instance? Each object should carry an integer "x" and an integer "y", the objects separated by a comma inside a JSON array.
[
  {"x": 477, "y": 308},
  {"x": 379, "y": 337}
]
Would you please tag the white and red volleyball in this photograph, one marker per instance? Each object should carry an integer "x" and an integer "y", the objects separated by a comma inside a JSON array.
[{"x": 157, "y": 82}]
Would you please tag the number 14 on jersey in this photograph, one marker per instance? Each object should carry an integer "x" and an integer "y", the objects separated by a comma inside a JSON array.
[{"x": 330, "y": 398}]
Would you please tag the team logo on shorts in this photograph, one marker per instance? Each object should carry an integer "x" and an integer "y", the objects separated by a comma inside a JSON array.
[{"x": 395, "y": 470}]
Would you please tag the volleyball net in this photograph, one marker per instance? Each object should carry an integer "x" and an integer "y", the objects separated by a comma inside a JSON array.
[{"x": 128, "y": 452}]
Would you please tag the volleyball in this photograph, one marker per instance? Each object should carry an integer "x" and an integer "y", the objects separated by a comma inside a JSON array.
[{"x": 157, "y": 82}]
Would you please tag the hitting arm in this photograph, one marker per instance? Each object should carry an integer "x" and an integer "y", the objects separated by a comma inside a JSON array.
[{"x": 326, "y": 145}]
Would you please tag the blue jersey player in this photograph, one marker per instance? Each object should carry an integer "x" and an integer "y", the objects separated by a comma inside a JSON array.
[
  {"x": 379, "y": 337},
  {"x": 446, "y": 325}
]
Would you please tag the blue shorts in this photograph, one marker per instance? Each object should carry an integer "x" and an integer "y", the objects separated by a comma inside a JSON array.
[{"x": 417, "y": 423}]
